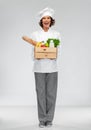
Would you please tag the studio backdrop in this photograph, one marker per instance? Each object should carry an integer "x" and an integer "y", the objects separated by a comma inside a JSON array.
[{"x": 73, "y": 21}]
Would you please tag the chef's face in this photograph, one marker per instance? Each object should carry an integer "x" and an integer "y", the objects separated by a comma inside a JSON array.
[{"x": 46, "y": 21}]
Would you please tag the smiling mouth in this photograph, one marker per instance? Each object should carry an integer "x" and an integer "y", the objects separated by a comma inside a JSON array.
[{"x": 46, "y": 23}]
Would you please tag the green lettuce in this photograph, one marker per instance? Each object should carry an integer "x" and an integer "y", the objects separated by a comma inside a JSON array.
[{"x": 56, "y": 41}]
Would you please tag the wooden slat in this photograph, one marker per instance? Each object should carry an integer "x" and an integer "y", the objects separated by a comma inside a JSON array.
[
  {"x": 45, "y": 49},
  {"x": 45, "y": 55}
]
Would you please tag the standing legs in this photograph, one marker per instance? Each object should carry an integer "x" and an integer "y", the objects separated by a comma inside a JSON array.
[{"x": 46, "y": 89}]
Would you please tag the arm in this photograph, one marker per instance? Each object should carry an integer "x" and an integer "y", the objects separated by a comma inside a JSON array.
[{"x": 29, "y": 40}]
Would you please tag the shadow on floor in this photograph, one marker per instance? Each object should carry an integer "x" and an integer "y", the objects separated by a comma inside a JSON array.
[{"x": 17, "y": 126}]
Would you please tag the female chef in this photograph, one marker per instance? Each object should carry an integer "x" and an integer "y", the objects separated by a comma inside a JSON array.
[{"x": 46, "y": 70}]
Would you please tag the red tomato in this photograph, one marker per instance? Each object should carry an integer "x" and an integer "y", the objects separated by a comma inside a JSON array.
[{"x": 43, "y": 46}]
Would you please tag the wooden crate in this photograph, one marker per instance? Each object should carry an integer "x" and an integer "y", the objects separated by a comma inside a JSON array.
[{"x": 45, "y": 52}]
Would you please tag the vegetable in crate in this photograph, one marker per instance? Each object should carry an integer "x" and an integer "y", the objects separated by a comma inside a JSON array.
[{"x": 56, "y": 41}]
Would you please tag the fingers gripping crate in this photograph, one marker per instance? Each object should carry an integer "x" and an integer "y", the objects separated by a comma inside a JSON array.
[{"x": 45, "y": 52}]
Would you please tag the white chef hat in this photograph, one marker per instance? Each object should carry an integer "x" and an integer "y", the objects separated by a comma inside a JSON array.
[{"x": 46, "y": 12}]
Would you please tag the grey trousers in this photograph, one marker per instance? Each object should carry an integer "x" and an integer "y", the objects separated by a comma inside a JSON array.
[{"x": 46, "y": 89}]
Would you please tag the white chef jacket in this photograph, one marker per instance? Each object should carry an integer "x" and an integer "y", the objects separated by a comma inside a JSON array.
[{"x": 46, "y": 65}]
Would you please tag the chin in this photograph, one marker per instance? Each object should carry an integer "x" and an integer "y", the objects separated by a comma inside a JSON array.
[{"x": 46, "y": 26}]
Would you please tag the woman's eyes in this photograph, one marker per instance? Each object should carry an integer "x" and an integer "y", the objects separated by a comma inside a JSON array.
[{"x": 46, "y": 18}]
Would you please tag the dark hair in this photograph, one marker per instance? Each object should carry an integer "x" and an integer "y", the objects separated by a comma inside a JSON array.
[{"x": 52, "y": 22}]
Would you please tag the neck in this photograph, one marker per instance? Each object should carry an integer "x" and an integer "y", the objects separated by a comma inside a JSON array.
[{"x": 45, "y": 29}]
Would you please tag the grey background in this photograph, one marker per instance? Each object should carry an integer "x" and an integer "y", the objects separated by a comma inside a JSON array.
[{"x": 73, "y": 21}]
